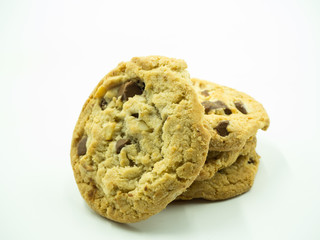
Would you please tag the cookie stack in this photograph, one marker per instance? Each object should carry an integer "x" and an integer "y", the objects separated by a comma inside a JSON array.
[{"x": 148, "y": 134}]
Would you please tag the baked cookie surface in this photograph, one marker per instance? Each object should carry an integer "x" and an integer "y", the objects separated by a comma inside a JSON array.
[
  {"x": 232, "y": 116},
  {"x": 227, "y": 182},
  {"x": 218, "y": 160},
  {"x": 140, "y": 140}
]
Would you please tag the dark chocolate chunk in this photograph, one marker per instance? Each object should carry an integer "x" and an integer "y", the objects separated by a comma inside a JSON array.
[
  {"x": 222, "y": 128},
  {"x": 251, "y": 161},
  {"x": 239, "y": 105},
  {"x": 227, "y": 111},
  {"x": 130, "y": 89},
  {"x": 136, "y": 115},
  {"x": 205, "y": 93},
  {"x": 208, "y": 106},
  {"x": 121, "y": 143},
  {"x": 82, "y": 148},
  {"x": 103, "y": 104}
]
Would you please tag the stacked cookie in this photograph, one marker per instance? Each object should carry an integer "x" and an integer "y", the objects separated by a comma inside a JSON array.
[
  {"x": 148, "y": 134},
  {"x": 233, "y": 119}
]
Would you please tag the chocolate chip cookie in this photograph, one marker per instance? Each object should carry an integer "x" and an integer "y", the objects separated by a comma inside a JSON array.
[
  {"x": 227, "y": 182},
  {"x": 232, "y": 116},
  {"x": 140, "y": 140}
]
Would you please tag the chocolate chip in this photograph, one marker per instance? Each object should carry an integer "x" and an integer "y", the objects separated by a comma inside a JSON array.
[
  {"x": 239, "y": 105},
  {"x": 82, "y": 148},
  {"x": 121, "y": 143},
  {"x": 136, "y": 115},
  {"x": 130, "y": 89},
  {"x": 251, "y": 161},
  {"x": 205, "y": 93},
  {"x": 227, "y": 111},
  {"x": 103, "y": 104},
  {"x": 222, "y": 128},
  {"x": 208, "y": 106}
]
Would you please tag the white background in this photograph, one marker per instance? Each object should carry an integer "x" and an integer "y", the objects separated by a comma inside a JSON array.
[{"x": 53, "y": 53}]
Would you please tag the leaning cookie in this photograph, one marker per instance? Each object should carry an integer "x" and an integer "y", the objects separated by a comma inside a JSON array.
[
  {"x": 228, "y": 182},
  {"x": 232, "y": 116},
  {"x": 140, "y": 140}
]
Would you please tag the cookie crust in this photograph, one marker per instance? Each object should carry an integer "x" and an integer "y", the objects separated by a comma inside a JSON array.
[
  {"x": 228, "y": 182},
  {"x": 219, "y": 160}
]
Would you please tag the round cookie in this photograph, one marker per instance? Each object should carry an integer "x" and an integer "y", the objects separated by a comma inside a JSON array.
[
  {"x": 232, "y": 116},
  {"x": 140, "y": 140},
  {"x": 228, "y": 182}
]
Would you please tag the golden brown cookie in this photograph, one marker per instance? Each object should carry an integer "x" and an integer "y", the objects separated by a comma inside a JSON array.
[{"x": 140, "y": 140}]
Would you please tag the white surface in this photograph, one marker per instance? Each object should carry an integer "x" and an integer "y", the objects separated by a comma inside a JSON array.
[{"x": 52, "y": 54}]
